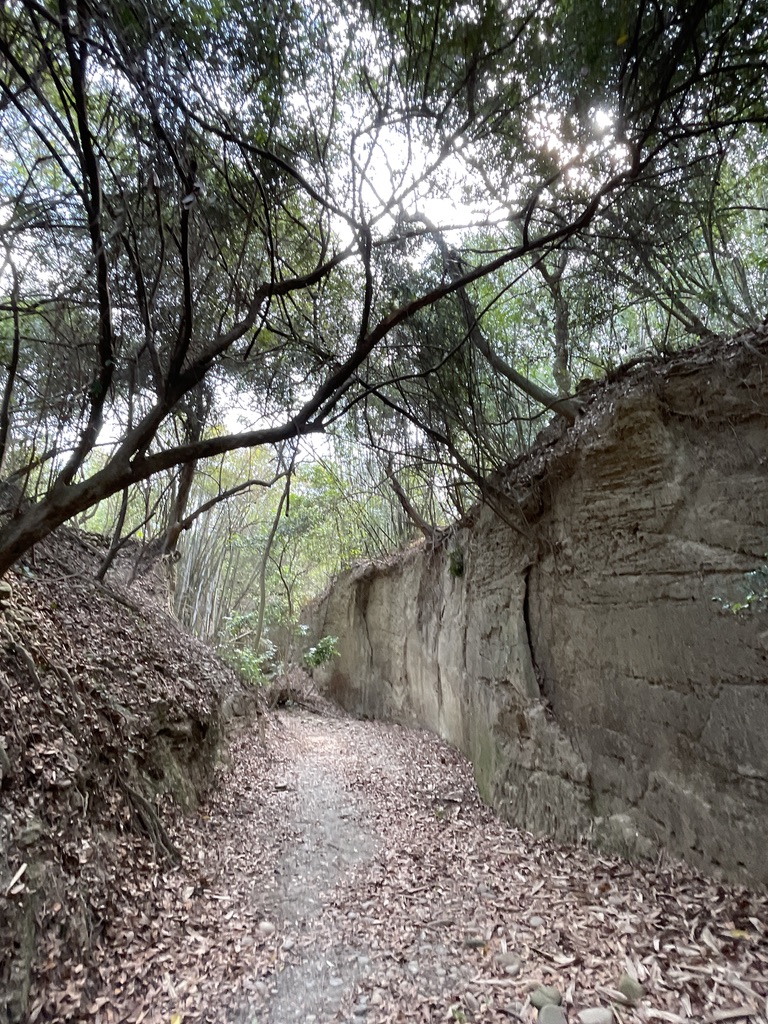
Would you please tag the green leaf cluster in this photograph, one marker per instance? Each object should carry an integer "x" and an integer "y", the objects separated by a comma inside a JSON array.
[{"x": 325, "y": 650}]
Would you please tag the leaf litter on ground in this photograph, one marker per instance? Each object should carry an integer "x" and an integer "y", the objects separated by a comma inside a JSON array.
[{"x": 445, "y": 913}]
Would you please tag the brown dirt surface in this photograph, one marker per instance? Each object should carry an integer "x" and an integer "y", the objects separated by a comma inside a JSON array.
[
  {"x": 110, "y": 718},
  {"x": 396, "y": 895},
  {"x": 346, "y": 870}
]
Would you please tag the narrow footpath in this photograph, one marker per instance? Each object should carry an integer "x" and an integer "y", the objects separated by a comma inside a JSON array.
[{"x": 347, "y": 871}]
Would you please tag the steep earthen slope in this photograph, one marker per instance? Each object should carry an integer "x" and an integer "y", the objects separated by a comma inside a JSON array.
[
  {"x": 110, "y": 720},
  {"x": 581, "y": 642}
]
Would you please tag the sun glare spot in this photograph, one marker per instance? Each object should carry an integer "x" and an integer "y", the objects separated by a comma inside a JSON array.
[{"x": 603, "y": 120}]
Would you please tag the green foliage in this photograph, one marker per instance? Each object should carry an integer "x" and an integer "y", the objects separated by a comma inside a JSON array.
[
  {"x": 248, "y": 197},
  {"x": 252, "y": 667},
  {"x": 233, "y": 645},
  {"x": 751, "y": 596},
  {"x": 340, "y": 510},
  {"x": 325, "y": 650}
]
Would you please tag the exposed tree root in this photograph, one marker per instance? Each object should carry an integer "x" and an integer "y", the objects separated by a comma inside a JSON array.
[
  {"x": 150, "y": 822},
  {"x": 22, "y": 654}
]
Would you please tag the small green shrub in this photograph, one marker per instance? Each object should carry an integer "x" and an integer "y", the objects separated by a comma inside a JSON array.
[
  {"x": 253, "y": 667},
  {"x": 323, "y": 651}
]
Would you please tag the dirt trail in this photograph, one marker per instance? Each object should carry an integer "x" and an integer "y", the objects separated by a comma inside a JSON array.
[
  {"x": 347, "y": 871},
  {"x": 398, "y": 896},
  {"x": 362, "y": 930},
  {"x": 331, "y": 837}
]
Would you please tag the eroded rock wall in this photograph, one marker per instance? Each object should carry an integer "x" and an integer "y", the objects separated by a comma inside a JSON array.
[{"x": 585, "y": 660}]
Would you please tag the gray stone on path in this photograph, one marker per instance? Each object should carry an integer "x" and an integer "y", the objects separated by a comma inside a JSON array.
[
  {"x": 595, "y": 1015},
  {"x": 513, "y": 1010},
  {"x": 630, "y": 988},
  {"x": 545, "y": 995},
  {"x": 536, "y": 922},
  {"x": 510, "y": 963},
  {"x": 471, "y": 1002},
  {"x": 551, "y": 1015}
]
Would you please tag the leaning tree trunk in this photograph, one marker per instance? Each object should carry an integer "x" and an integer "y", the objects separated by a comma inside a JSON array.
[{"x": 176, "y": 522}]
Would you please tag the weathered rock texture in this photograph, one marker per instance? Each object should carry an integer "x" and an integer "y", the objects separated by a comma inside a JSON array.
[{"x": 585, "y": 660}]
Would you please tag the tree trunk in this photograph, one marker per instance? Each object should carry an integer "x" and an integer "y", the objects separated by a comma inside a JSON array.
[
  {"x": 115, "y": 546},
  {"x": 176, "y": 524},
  {"x": 560, "y": 370},
  {"x": 566, "y": 407},
  {"x": 407, "y": 505}
]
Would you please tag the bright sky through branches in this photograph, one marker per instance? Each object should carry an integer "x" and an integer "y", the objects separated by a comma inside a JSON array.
[{"x": 399, "y": 175}]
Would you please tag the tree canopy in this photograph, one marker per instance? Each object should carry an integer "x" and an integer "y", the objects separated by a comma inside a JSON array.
[{"x": 228, "y": 225}]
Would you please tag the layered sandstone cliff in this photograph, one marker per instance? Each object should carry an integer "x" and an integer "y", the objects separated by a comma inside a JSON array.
[{"x": 579, "y": 642}]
